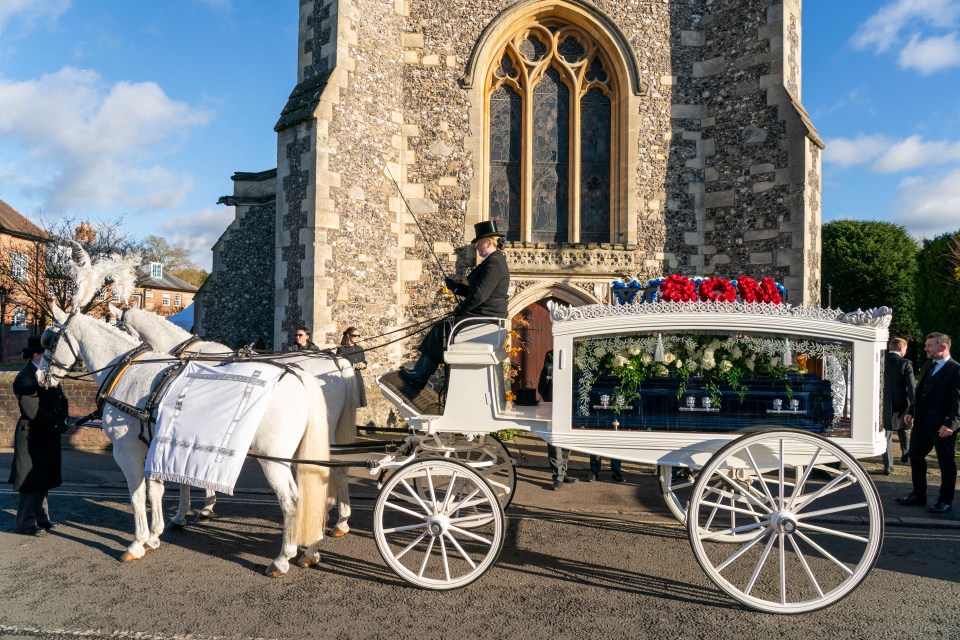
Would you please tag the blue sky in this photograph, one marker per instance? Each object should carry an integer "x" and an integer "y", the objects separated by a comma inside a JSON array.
[{"x": 145, "y": 109}]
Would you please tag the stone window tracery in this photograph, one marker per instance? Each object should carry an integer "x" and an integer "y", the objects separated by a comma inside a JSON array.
[{"x": 551, "y": 140}]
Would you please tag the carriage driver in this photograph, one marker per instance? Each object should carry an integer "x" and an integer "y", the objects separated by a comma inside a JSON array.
[{"x": 484, "y": 296}]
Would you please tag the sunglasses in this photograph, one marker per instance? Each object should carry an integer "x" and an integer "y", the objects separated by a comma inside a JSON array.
[
  {"x": 354, "y": 335},
  {"x": 302, "y": 335}
]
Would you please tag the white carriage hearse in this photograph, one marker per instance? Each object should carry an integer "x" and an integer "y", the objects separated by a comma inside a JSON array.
[{"x": 755, "y": 415}]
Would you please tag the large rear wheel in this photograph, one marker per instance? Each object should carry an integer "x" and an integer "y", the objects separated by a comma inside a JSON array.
[{"x": 811, "y": 534}]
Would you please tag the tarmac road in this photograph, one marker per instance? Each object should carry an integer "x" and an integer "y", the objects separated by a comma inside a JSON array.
[{"x": 590, "y": 561}]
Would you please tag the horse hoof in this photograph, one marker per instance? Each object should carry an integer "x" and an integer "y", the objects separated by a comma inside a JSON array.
[
  {"x": 202, "y": 517},
  {"x": 175, "y": 526},
  {"x": 128, "y": 557},
  {"x": 338, "y": 533},
  {"x": 273, "y": 572},
  {"x": 303, "y": 563}
]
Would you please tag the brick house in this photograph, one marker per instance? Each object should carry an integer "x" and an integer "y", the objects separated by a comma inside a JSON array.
[
  {"x": 161, "y": 292},
  {"x": 22, "y": 279}
]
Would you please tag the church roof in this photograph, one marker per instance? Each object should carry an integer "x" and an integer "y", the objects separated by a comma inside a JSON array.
[
  {"x": 16, "y": 224},
  {"x": 302, "y": 102}
]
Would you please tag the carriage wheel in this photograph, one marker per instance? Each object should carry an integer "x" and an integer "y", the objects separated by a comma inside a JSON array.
[
  {"x": 676, "y": 485},
  {"x": 485, "y": 454},
  {"x": 821, "y": 526},
  {"x": 435, "y": 542}
]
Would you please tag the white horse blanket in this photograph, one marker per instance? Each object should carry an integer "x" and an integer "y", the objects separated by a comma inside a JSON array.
[{"x": 206, "y": 422}]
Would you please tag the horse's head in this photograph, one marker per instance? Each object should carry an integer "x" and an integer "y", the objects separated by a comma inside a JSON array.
[{"x": 61, "y": 352}]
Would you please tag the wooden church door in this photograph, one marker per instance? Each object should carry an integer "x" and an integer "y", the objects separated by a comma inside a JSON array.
[{"x": 536, "y": 332}]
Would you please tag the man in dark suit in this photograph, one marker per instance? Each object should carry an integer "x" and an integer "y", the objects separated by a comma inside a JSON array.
[
  {"x": 36, "y": 444},
  {"x": 898, "y": 387},
  {"x": 484, "y": 296},
  {"x": 935, "y": 418}
]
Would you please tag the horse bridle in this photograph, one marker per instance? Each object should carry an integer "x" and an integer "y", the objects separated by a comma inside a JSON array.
[{"x": 50, "y": 340}]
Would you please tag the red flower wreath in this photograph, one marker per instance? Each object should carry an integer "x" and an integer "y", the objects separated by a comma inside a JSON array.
[
  {"x": 749, "y": 290},
  {"x": 718, "y": 290},
  {"x": 678, "y": 289},
  {"x": 764, "y": 291},
  {"x": 770, "y": 292}
]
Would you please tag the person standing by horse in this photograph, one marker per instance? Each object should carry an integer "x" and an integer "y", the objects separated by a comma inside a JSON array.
[
  {"x": 353, "y": 352},
  {"x": 302, "y": 341},
  {"x": 44, "y": 417},
  {"x": 484, "y": 296}
]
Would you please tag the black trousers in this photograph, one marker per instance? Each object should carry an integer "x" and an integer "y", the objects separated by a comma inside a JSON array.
[
  {"x": 32, "y": 509},
  {"x": 922, "y": 441},
  {"x": 434, "y": 342}
]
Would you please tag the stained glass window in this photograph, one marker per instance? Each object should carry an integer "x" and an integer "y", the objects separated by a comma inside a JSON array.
[
  {"x": 552, "y": 87},
  {"x": 505, "y": 125},
  {"x": 551, "y": 148},
  {"x": 595, "y": 167}
]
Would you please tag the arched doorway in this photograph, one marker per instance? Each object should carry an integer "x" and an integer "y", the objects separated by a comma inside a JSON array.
[{"x": 534, "y": 327}]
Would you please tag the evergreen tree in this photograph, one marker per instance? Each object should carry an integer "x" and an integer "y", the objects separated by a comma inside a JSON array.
[
  {"x": 937, "y": 289},
  {"x": 870, "y": 264}
]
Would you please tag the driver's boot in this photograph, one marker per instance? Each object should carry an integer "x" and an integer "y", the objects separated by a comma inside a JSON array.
[{"x": 416, "y": 379}]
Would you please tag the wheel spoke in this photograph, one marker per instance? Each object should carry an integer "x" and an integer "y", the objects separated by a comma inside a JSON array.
[
  {"x": 741, "y": 529},
  {"x": 426, "y": 557},
  {"x": 730, "y": 508},
  {"x": 410, "y": 546},
  {"x": 446, "y": 560},
  {"x": 451, "y": 491},
  {"x": 760, "y": 478},
  {"x": 783, "y": 556},
  {"x": 762, "y": 561},
  {"x": 803, "y": 480},
  {"x": 463, "y": 553},
  {"x": 414, "y": 495},
  {"x": 397, "y": 507},
  {"x": 408, "y": 527},
  {"x": 832, "y": 532},
  {"x": 742, "y": 550},
  {"x": 748, "y": 495},
  {"x": 823, "y": 512},
  {"x": 825, "y": 490},
  {"x": 806, "y": 567},
  {"x": 470, "y": 534},
  {"x": 474, "y": 517},
  {"x": 781, "y": 495},
  {"x": 824, "y": 552}
]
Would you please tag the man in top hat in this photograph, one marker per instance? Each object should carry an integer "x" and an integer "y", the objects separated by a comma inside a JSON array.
[
  {"x": 484, "y": 296},
  {"x": 36, "y": 446}
]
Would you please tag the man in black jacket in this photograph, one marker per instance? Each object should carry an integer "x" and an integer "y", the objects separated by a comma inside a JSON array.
[
  {"x": 484, "y": 296},
  {"x": 898, "y": 387},
  {"x": 36, "y": 446},
  {"x": 935, "y": 418}
]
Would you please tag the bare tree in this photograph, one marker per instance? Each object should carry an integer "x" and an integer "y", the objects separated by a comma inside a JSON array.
[{"x": 47, "y": 278}]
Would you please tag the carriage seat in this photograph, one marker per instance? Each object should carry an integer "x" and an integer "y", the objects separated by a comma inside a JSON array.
[{"x": 477, "y": 342}]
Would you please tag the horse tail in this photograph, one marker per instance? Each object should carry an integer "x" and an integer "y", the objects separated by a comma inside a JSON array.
[
  {"x": 346, "y": 429},
  {"x": 312, "y": 480}
]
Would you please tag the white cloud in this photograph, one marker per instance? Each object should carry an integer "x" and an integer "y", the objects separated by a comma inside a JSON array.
[
  {"x": 850, "y": 151},
  {"x": 890, "y": 156},
  {"x": 31, "y": 10},
  {"x": 197, "y": 232},
  {"x": 930, "y": 206},
  {"x": 929, "y": 55},
  {"x": 96, "y": 144},
  {"x": 882, "y": 30},
  {"x": 914, "y": 152}
]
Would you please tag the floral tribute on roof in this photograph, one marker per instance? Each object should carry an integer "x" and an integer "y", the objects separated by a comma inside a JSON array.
[{"x": 677, "y": 288}]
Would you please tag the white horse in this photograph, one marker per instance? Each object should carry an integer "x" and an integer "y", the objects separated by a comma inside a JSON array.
[
  {"x": 292, "y": 427},
  {"x": 335, "y": 376}
]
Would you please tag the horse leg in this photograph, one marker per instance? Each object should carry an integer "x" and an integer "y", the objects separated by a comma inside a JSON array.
[
  {"x": 133, "y": 472},
  {"x": 179, "y": 519},
  {"x": 155, "y": 495},
  {"x": 280, "y": 478},
  {"x": 209, "y": 500},
  {"x": 339, "y": 478}
]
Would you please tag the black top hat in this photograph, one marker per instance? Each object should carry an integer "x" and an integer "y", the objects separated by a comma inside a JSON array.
[
  {"x": 486, "y": 229},
  {"x": 33, "y": 346}
]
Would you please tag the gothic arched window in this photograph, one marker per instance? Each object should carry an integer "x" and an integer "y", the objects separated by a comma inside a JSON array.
[{"x": 551, "y": 136}]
